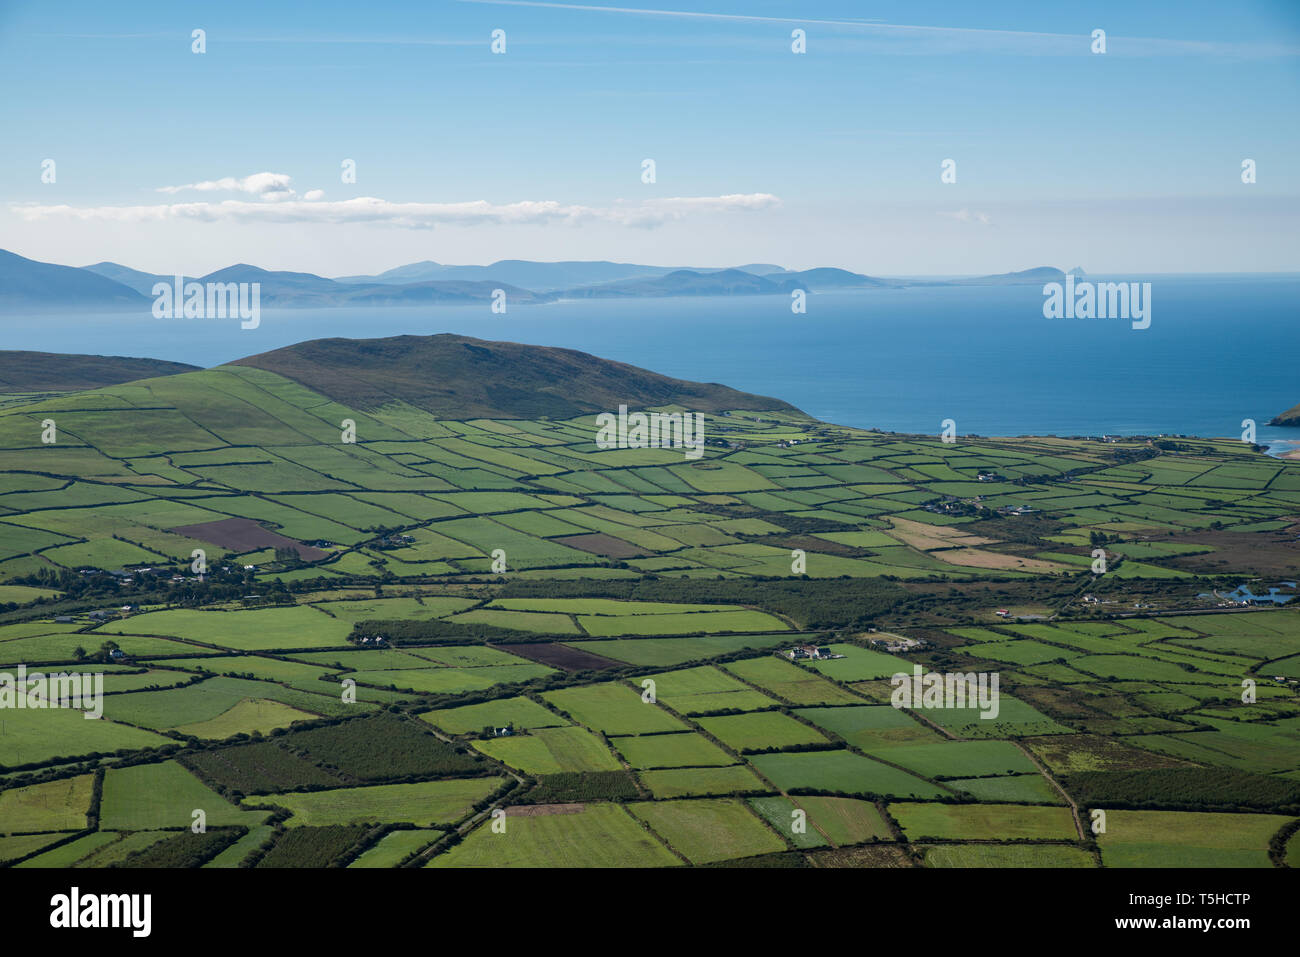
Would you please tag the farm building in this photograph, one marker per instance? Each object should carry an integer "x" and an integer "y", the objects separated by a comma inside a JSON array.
[{"x": 810, "y": 651}]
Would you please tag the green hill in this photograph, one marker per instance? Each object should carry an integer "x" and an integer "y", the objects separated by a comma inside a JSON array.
[
  {"x": 460, "y": 377},
  {"x": 52, "y": 372}
]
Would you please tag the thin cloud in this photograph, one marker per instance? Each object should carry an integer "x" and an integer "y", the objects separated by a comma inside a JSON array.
[
  {"x": 688, "y": 14},
  {"x": 972, "y": 217},
  {"x": 371, "y": 210},
  {"x": 974, "y": 38},
  {"x": 235, "y": 38}
]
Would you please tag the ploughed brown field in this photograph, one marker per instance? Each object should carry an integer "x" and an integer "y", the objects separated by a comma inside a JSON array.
[
  {"x": 245, "y": 535},
  {"x": 598, "y": 543},
  {"x": 560, "y": 656}
]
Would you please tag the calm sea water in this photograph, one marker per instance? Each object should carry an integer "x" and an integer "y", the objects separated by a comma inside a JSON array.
[{"x": 1219, "y": 350}]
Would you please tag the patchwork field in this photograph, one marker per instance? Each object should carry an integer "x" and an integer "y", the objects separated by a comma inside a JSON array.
[{"x": 634, "y": 660}]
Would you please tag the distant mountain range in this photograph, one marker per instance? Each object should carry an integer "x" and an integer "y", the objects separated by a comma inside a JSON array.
[
  {"x": 106, "y": 285},
  {"x": 27, "y": 281},
  {"x": 539, "y": 276},
  {"x": 302, "y": 289},
  {"x": 684, "y": 282}
]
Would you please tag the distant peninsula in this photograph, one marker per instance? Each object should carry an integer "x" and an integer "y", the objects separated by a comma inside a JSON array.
[
  {"x": 1291, "y": 417},
  {"x": 29, "y": 284}
]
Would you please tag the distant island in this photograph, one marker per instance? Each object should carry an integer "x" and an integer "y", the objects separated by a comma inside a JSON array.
[
  {"x": 1290, "y": 418},
  {"x": 32, "y": 284}
]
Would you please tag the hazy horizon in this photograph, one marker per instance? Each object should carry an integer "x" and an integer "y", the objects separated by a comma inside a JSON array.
[{"x": 1207, "y": 273}]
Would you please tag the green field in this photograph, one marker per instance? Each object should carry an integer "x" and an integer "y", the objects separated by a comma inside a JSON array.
[
  {"x": 213, "y": 698},
  {"x": 1006, "y": 855},
  {"x": 983, "y": 822},
  {"x": 706, "y": 689},
  {"x": 21, "y": 845},
  {"x": 961, "y": 759},
  {"x": 551, "y": 750},
  {"x": 161, "y": 795},
  {"x": 693, "y": 782},
  {"x": 705, "y": 622},
  {"x": 503, "y": 712},
  {"x": 67, "y": 855},
  {"x": 870, "y": 726},
  {"x": 709, "y": 830},
  {"x": 55, "y": 806},
  {"x": 859, "y": 664},
  {"x": 845, "y": 820},
  {"x": 790, "y": 821},
  {"x": 423, "y": 804},
  {"x": 33, "y": 737},
  {"x": 253, "y": 630},
  {"x": 244, "y": 717},
  {"x": 682, "y": 750},
  {"x": 1187, "y": 839},
  {"x": 789, "y": 682},
  {"x": 595, "y": 835},
  {"x": 666, "y": 652},
  {"x": 1029, "y": 788},
  {"x": 764, "y": 729},
  {"x": 394, "y": 847},
  {"x": 613, "y": 709},
  {"x": 840, "y": 772}
]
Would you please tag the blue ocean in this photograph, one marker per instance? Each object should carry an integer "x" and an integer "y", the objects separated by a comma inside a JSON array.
[{"x": 1220, "y": 349}]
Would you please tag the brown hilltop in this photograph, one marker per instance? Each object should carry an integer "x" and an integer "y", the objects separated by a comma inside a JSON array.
[{"x": 454, "y": 376}]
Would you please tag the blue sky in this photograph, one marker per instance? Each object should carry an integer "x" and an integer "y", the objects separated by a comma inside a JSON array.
[{"x": 1124, "y": 162}]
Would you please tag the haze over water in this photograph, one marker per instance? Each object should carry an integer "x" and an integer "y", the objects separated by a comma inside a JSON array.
[{"x": 1219, "y": 350}]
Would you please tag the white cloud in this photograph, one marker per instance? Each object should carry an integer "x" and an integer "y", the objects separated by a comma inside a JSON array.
[
  {"x": 967, "y": 216},
  {"x": 313, "y": 194},
  {"x": 269, "y": 186},
  {"x": 369, "y": 209}
]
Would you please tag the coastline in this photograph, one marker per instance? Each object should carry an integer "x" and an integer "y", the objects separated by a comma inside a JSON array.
[{"x": 1284, "y": 449}]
